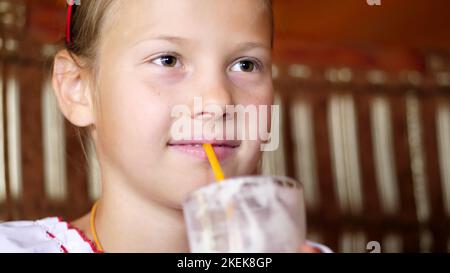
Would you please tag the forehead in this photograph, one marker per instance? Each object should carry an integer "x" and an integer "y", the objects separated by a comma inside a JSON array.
[{"x": 220, "y": 21}]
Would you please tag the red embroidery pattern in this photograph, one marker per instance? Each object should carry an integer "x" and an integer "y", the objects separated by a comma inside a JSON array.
[
  {"x": 82, "y": 235},
  {"x": 63, "y": 248}
]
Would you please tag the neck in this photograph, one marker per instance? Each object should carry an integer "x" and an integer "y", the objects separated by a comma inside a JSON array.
[{"x": 127, "y": 222}]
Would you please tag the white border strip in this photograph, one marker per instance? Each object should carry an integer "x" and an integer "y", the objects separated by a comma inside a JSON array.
[
  {"x": 2, "y": 142},
  {"x": 304, "y": 151},
  {"x": 55, "y": 173},
  {"x": 14, "y": 137},
  {"x": 417, "y": 158},
  {"x": 344, "y": 147},
  {"x": 337, "y": 155},
  {"x": 443, "y": 137},
  {"x": 383, "y": 152},
  {"x": 94, "y": 174},
  {"x": 353, "y": 242}
]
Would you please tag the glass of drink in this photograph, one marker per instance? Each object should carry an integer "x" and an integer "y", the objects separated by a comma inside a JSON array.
[{"x": 246, "y": 214}]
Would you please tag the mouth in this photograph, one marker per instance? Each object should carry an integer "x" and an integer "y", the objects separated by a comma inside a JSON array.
[{"x": 223, "y": 149}]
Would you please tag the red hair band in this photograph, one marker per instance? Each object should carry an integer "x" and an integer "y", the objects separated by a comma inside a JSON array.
[{"x": 68, "y": 22}]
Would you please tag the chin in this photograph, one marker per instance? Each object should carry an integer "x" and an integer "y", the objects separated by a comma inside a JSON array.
[{"x": 180, "y": 190}]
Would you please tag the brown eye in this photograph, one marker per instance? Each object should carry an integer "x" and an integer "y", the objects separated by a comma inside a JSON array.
[
  {"x": 247, "y": 66},
  {"x": 167, "y": 61},
  {"x": 244, "y": 66}
]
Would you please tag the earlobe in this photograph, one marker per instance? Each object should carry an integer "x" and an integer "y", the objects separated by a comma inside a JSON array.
[{"x": 71, "y": 90}]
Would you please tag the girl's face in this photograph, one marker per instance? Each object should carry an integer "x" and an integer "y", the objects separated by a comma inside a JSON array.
[{"x": 157, "y": 54}]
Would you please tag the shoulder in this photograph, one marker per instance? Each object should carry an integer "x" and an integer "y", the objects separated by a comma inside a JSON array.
[{"x": 49, "y": 235}]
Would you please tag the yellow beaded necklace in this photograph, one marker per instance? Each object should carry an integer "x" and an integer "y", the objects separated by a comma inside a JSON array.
[{"x": 93, "y": 231}]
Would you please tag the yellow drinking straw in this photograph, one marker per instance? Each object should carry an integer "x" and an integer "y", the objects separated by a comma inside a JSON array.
[
  {"x": 218, "y": 173},
  {"x": 217, "y": 170}
]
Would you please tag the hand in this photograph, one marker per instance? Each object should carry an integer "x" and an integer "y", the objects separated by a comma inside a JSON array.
[{"x": 306, "y": 248}]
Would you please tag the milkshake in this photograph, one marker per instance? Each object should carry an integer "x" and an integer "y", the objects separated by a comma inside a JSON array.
[{"x": 246, "y": 214}]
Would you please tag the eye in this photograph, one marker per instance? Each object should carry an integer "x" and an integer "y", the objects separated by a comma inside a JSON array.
[
  {"x": 167, "y": 61},
  {"x": 245, "y": 66}
]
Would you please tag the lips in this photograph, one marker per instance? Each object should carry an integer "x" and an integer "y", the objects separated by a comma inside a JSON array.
[{"x": 222, "y": 148}]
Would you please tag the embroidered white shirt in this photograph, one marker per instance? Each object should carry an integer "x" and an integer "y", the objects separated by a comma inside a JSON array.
[
  {"x": 49, "y": 235},
  {"x": 54, "y": 235}
]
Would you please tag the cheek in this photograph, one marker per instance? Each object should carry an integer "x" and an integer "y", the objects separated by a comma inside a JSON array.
[
  {"x": 254, "y": 90},
  {"x": 249, "y": 157},
  {"x": 250, "y": 154},
  {"x": 133, "y": 116},
  {"x": 261, "y": 97}
]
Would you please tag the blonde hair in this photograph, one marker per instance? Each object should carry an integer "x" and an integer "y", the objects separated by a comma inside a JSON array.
[
  {"x": 86, "y": 26},
  {"x": 87, "y": 23}
]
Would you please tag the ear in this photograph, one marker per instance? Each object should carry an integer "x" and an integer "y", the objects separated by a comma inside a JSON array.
[{"x": 72, "y": 90}]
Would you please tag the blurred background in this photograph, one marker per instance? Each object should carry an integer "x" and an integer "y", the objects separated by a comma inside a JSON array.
[{"x": 364, "y": 87}]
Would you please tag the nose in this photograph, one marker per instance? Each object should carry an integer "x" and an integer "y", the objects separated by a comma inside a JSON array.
[{"x": 211, "y": 100}]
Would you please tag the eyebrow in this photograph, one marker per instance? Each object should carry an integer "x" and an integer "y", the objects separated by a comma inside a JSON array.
[
  {"x": 169, "y": 38},
  {"x": 250, "y": 45},
  {"x": 180, "y": 40}
]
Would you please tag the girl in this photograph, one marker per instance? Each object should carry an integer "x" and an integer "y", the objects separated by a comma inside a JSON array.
[{"x": 125, "y": 66}]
